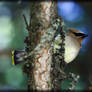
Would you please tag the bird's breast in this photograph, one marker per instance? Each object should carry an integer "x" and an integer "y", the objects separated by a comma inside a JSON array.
[{"x": 72, "y": 48}]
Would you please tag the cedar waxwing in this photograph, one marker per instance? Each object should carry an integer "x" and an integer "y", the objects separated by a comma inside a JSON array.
[{"x": 73, "y": 43}]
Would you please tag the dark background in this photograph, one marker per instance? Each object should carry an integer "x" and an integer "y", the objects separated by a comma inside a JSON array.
[{"x": 12, "y": 33}]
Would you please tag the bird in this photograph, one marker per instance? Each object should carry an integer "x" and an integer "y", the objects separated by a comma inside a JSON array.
[{"x": 73, "y": 43}]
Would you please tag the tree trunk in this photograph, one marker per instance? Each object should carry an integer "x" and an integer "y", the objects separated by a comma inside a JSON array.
[{"x": 41, "y": 33}]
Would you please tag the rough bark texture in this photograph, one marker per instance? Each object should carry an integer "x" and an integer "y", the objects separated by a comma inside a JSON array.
[
  {"x": 40, "y": 37},
  {"x": 41, "y": 17},
  {"x": 44, "y": 68}
]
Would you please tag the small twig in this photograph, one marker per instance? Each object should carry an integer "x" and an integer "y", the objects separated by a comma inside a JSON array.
[{"x": 27, "y": 26}]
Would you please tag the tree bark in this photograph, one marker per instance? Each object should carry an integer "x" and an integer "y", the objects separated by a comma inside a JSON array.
[{"x": 41, "y": 33}]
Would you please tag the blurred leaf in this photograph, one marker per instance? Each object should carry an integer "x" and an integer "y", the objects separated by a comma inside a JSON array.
[{"x": 15, "y": 78}]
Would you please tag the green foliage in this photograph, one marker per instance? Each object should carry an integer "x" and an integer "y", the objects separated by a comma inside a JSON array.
[{"x": 15, "y": 78}]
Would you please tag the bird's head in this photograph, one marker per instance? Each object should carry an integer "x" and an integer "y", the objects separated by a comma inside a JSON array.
[{"x": 77, "y": 34}]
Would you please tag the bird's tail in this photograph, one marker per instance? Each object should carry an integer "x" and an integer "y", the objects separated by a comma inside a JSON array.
[{"x": 18, "y": 56}]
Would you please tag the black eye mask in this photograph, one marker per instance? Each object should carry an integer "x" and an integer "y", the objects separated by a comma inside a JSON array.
[{"x": 80, "y": 34}]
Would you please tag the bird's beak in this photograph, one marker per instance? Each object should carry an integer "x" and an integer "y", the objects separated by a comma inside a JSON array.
[{"x": 84, "y": 35}]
